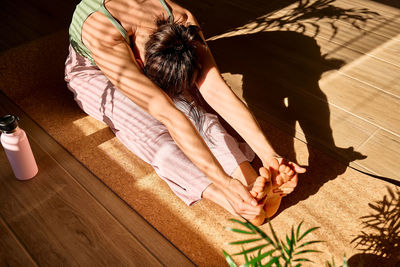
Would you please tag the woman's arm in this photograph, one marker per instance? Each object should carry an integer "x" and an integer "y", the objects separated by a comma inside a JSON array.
[
  {"x": 116, "y": 60},
  {"x": 222, "y": 99}
]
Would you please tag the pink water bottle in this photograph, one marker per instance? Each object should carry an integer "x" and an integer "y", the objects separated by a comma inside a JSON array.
[{"x": 17, "y": 148}]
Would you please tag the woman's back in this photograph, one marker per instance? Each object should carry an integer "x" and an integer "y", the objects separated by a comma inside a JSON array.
[{"x": 120, "y": 21}]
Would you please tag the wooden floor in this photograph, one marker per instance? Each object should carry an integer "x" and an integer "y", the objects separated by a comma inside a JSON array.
[
  {"x": 66, "y": 215},
  {"x": 326, "y": 72}
]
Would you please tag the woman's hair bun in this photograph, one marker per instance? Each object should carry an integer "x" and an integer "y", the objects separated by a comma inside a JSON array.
[{"x": 170, "y": 56}]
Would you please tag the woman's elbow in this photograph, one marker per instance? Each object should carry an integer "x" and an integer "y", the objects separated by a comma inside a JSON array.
[{"x": 163, "y": 110}]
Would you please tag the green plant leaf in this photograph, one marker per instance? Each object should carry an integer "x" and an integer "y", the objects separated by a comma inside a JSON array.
[
  {"x": 298, "y": 230},
  {"x": 229, "y": 259},
  {"x": 286, "y": 249},
  {"x": 283, "y": 249},
  {"x": 273, "y": 233},
  {"x": 329, "y": 264},
  {"x": 293, "y": 239},
  {"x": 345, "y": 264},
  {"x": 272, "y": 261},
  {"x": 306, "y": 251},
  {"x": 258, "y": 259},
  {"x": 309, "y": 243},
  {"x": 245, "y": 256},
  {"x": 260, "y": 232},
  {"x": 307, "y": 232},
  {"x": 246, "y": 224},
  {"x": 239, "y": 231},
  {"x": 298, "y": 265},
  {"x": 245, "y": 241},
  {"x": 250, "y": 250},
  {"x": 289, "y": 242},
  {"x": 257, "y": 263}
]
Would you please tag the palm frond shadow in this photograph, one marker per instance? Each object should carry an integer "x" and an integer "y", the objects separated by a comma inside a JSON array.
[
  {"x": 380, "y": 238},
  {"x": 307, "y": 16}
]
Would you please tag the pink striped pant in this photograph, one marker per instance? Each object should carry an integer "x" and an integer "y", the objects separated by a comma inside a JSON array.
[{"x": 145, "y": 136}]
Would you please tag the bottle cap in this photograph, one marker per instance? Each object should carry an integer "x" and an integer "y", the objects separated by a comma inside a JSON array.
[{"x": 8, "y": 123}]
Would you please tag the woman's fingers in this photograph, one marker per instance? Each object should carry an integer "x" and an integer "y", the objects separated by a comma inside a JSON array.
[
  {"x": 243, "y": 194},
  {"x": 297, "y": 168},
  {"x": 279, "y": 180},
  {"x": 242, "y": 201},
  {"x": 284, "y": 191},
  {"x": 285, "y": 177},
  {"x": 264, "y": 172},
  {"x": 246, "y": 210}
]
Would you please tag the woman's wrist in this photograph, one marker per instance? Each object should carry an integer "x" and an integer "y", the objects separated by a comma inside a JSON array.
[
  {"x": 225, "y": 181},
  {"x": 266, "y": 159}
]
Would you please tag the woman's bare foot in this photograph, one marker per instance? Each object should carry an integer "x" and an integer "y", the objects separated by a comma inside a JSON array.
[
  {"x": 284, "y": 180},
  {"x": 262, "y": 186},
  {"x": 272, "y": 204},
  {"x": 260, "y": 190},
  {"x": 269, "y": 188}
]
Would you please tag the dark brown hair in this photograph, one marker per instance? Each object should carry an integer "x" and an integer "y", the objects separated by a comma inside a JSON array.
[
  {"x": 171, "y": 60},
  {"x": 172, "y": 63}
]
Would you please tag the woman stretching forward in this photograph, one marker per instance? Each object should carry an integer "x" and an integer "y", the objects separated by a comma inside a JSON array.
[{"x": 155, "y": 108}]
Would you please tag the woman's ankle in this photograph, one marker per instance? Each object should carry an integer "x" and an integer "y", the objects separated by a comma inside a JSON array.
[
  {"x": 215, "y": 195},
  {"x": 245, "y": 173}
]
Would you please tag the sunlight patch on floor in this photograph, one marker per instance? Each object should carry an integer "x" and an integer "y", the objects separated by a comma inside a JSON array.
[
  {"x": 89, "y": 125},
  {"x": 310, "y": 19},
  {"x": 235, "y": 81},
  {"x": 125, "y": 159},
  {"x": 394, "y": 42}
]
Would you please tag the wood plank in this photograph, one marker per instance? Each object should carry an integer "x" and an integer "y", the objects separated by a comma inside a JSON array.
[
  {"x": 340, "y": 136},
  {"x": 12, "y": 252},
  {"x": 369, "y": 19},
  {"x": 383, "y": 154},
  {"x": 384, "y": 9},
  {"x": 312, "y": 120},
  {"x": 362, "y": 41},
  {"x": 132, "y": 221},
  {"x": 388, "y": 52},
  {"x": 289, "y": 71},
  {"x": 374, "y": 69},
  {"x": 59, "y": 221},
  {"x": 363, "y": 101},
  {"x": 376, "y": 73},
  {"x": 347, "y": 39},
  {"x": 347, "y": 129}
]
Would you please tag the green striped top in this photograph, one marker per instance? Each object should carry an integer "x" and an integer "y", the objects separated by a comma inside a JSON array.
[{"x": 82, "y": 11}]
